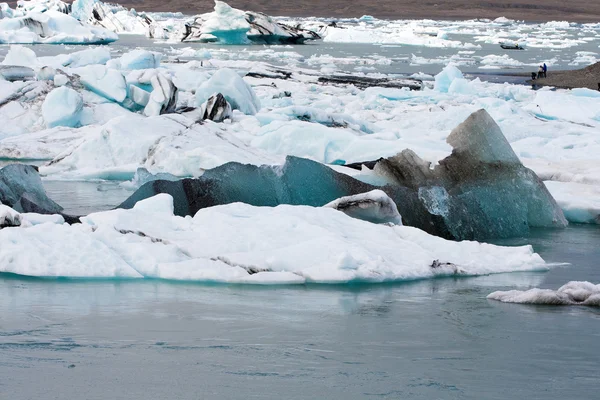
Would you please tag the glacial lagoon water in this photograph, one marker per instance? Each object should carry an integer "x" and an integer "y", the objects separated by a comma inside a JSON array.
[{"x": 434, "y": 339}]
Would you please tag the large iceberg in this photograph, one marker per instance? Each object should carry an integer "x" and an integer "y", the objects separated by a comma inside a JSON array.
[
  {"x": 481, "y": 191},
  {"x": 244, "y": 244},
  {"x": 52, "y": 27},
  {"x": 228, "y": 25}
]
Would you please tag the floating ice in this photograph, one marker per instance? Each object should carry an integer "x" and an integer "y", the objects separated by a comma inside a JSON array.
[
  {"x": 163, "y": 98},
  {"x": 297, "y": 244},
  {"x": 21, "y": 56},
  {"x": 62, "y": 107},
  {"x": 579, "y": 202},
  {"x": 444, "y": 79},
  {"x": 374, "y": 206},
  {"x": 106, "y": 82},
  {"x": 228, "y": 25},
  {"x": 21, "y": 189},
  {"x": 137, "y": 59},
  {"x": 9, "y": 217},
  {"x": 236, "y": 91},
  {"x": 216, "y": 108},
  {"x": 573, "y": 293},
  {"x": 482, "y": 190},
  {"x": 51, "y": 27}
]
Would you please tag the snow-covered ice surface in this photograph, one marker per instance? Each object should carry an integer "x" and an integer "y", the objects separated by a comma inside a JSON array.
[
  {"x": 573, "y": 293},
  {"x": 245, "y": 244},
  {"x": 555, "y": 133}
]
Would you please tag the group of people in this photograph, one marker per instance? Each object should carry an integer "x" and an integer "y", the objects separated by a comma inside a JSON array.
[{"x": 541, "y": 72}]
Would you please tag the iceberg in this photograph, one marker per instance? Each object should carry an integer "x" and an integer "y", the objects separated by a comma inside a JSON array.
[
  {"x": 228, "y": 25},
  {"x": 52, "y": 27},
  {"x": 234, "y": 89},
  {"x": 21, "y": 189},
  {"x": 571, "y": 294},
  {"x": 136, "y": 59},
  {"x": 163, "y": 99},
  {"x": 481, "y": 191},
  {"x": 62, "y": 107},
  {"x": 9, "y": 217},
  {"x": 375, "y": 206},
  {"x": 218, "y": 244},
  {"x": 216, "y": 108},
  {"x": 106, "y": 82}
]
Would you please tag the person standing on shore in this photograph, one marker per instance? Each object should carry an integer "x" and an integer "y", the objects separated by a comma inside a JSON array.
[
  {"x": 545, "y": 69},
  {"x": 540, "y": 72}
]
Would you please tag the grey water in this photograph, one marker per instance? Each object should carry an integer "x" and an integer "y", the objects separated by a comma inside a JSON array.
[
  {"x": 360, "y": 54},
  {"x": 431, "y": 339}
]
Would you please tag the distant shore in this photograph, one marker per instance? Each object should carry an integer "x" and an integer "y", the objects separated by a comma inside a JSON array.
[
  {"x": 584, "y": 11},
  {"x": 588, "y": 77}
]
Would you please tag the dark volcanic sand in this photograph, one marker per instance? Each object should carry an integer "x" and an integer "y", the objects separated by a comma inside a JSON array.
[
  {"x": 529, "y": 10},
  {"x": 588, "y": 77}
]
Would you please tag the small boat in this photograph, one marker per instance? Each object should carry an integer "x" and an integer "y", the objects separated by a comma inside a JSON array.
[{"x": 511, "y": 46}]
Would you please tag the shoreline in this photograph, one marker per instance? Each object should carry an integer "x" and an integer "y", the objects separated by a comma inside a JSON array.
[{"x": 588, "y": 78}]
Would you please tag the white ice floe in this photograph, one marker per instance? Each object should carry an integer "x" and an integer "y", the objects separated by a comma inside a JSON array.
[
  {"x": 244, "y": 244},
  {"x": 579, "y": 202},
  {"x": 52, "y": 27},
  {"x": 573, "y": 293},
  {"x": 167, "y": 143},
  {"x": 62, "y": 107},
  {"x": 237, "y": 92}
]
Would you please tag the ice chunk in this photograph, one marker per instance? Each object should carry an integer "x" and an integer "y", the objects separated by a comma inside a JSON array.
[
  {"x": 444, "y": 79},
  {"x": 219, "y": 244},
  {"x": 46, "y": 74},
  {"x": 298, "y": 182},
  {"x": 62, "y": 107},
  {"x": 216, "y": 109},
  {"x": 97, "y": 55},
  {"x": 16, "y": 73},
  {"x": 228, "y": 25},
  {"x": 21, "y": 189},
  {"x": 106, "y": 82},
  {"x": 163, "y": 98},
  {"x": 60, "y": 80},
  {"x": 138, "y": 95},
  {"x": 21, "y": 56},
  {"x": 9, "y": 217},
  {"x": 374, "y": 206},
  {"x": 51, "y": 27},
  {"x": 573, "y": 293},
  {"x": 579, "y": 202},
  {"x": 235, "y": 90},
  {"x": 482, "y": 190},
  {"x": 137, "y": 59}
]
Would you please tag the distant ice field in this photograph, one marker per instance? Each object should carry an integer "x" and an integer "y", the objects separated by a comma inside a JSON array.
[{"x": 366, "y": 58}]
